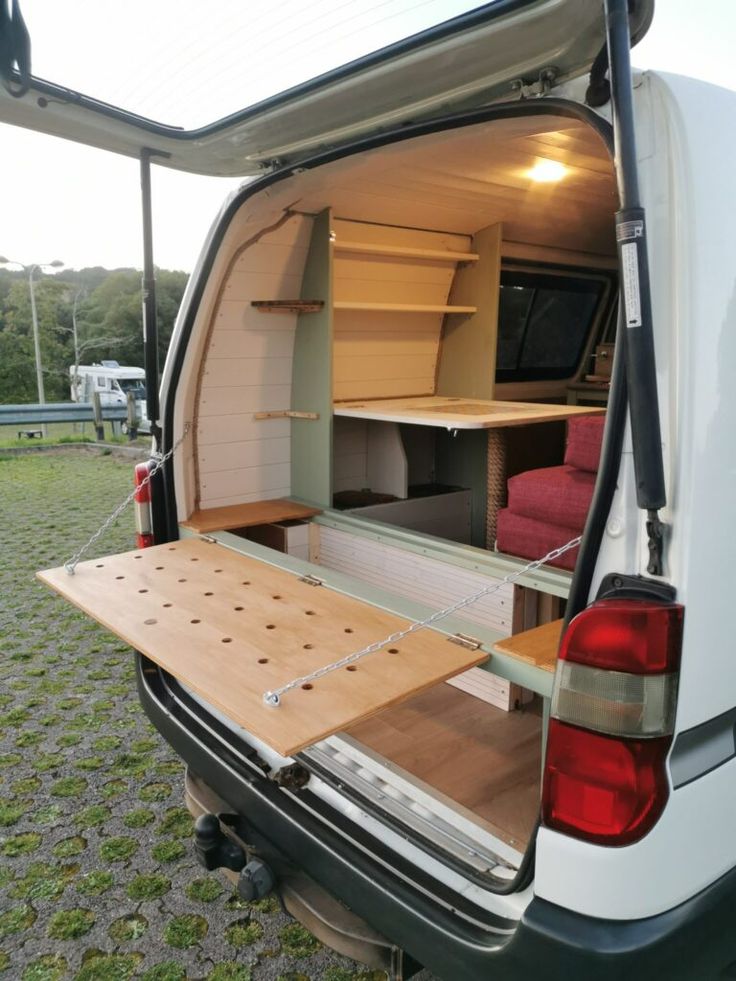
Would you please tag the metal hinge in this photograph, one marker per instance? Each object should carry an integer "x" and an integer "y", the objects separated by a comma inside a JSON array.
[
  {"x": 533, "y": 90},
  {"x": 464, "y": 640},
  {"x": 311, "y": 580}
]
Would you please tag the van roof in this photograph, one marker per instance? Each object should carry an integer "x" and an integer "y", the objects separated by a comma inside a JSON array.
[{"x": 478, "y": 57}]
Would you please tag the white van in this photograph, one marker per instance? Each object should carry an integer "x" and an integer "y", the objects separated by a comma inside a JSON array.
[
  {"x": 381, "y": 407},
  {"x": 112, "y": 382}
]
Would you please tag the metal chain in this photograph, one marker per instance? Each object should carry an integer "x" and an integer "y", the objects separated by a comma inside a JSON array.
[
  {"x": 273, "y": 698},
  {"x": 71, "y": 565}
]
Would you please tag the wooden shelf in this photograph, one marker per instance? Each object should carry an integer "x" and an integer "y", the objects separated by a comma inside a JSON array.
[
  {"x": 537, "y": 646},
  {"x": 401, "y": 307},
  {"x": 247, "y": 515},
  {"x": 287, "y": 306},
  {"x": 405, "y": 252}
]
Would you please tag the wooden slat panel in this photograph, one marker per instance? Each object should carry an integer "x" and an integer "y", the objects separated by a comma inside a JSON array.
[{"x": 257, "y": 628}]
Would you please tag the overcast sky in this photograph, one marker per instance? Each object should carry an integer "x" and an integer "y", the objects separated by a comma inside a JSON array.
[{"x": 59, "y": 200}]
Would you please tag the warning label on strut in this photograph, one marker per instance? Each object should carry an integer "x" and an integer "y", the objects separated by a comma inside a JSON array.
[{"x": 630, "y": 275}]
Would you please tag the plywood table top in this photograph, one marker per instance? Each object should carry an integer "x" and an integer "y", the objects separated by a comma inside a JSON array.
[
  {"x": 232, "y": 627},
  {"x": 459, "y": 413},
  {"x": 247, "y": 515},
  {"x": 537, "y": 646}
]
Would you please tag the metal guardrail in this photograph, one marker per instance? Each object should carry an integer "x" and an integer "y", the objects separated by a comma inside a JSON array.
[{"x": 22, "y": 415}]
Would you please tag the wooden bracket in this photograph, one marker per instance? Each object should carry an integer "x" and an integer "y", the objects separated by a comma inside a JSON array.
[
  {"x": 286, "y": 414},
  {"x": 288, "y": 306}
]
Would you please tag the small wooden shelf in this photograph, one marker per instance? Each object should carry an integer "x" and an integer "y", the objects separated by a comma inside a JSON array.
[
  {"x": 405, "y": 252},
  {"x": 287, "y": 306},
  {"x": 401, "y": 307},
  {"x": 247, "y": 515},
  {"x": 537, "y": 646}
]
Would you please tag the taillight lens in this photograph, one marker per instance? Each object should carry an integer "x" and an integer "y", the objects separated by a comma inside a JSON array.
[
  {"x": 613, "y": 710},
  {"x": 144, "y": 528},
  {"x": 605, "y": 790}
]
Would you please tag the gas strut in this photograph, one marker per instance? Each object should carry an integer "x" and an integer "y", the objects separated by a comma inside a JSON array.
[{"x": 631, "y": 241}]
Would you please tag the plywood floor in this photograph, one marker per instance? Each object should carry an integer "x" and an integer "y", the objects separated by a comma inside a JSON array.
[{"x": 482, "y": 758}]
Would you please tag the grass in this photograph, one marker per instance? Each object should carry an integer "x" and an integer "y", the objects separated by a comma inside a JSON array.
[{"x": 98, "y": 879}]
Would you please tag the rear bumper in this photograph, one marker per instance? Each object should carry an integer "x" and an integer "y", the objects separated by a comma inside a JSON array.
[{"x": 695, "y": 940}]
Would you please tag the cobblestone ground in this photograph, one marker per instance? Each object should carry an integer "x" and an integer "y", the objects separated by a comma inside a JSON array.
[{"x": 97, "y": 878}]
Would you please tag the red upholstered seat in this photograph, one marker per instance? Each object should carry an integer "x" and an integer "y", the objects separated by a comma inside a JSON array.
[
  {"x": 548, "y": 507},
  {"x": 530, "y": 539},
  {"x": 555, "y": 495},
  {"x": 584, "y": 437}
]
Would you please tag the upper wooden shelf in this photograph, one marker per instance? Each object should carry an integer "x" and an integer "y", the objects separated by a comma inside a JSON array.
[
  {"x": 459, "y": 413},
  {"x": 537, "y": 646},
  {"x": 288, "y": 306},
  {"x": 406, "y": 252},
  {"x": 401, "y": 307},
  {"x": 247, "y": 515}
]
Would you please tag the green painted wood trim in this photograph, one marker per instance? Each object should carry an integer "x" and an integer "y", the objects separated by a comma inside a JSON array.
[
  {"x": 311, "y": 385},
  {"x": 467, "y": 364}
]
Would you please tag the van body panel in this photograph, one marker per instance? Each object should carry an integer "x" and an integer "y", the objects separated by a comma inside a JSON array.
[{"x": 469, "y": 61}]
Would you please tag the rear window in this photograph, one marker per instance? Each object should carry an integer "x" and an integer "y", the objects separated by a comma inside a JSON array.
[
  {"x": 186, "y": 63},
  {"x": 544, "y": 322}
]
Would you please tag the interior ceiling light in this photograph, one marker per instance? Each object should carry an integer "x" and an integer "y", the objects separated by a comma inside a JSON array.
[{"x": 546, "y": 171}]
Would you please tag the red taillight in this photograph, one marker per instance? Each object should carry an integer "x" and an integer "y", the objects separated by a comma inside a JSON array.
[
  {"x": 606, "y": 790},
  {"x": 626, "y": 635},
  {"x": 613, "y": 707},
  {"x": 144, "y": 529}
]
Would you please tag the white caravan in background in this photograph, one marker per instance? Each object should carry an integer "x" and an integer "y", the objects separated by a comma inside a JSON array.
[{"x": 112, "y": 382}]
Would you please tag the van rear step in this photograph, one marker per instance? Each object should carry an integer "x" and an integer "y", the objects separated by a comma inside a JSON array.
[{"x": 233, "y": 628}]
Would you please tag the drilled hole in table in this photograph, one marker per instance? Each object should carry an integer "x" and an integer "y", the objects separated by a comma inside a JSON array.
[
  {"x": 307, "y": 687},
  {"x": 348, "y": 630},
  {"x": 100, "y": 565},
  {"x": 245, "y": 582},
  {"x": 120, "y": 577},
  {"x": 142, "y": 590},
  {"x": 137, "y": 556},
  {"x": 218, "y": 570},
  {"x": 149, "y": 622},
  {"x": 181, "y": 580},
  {"x": 195, "y": 621},
  {"x": 172, "y": 548},
  {"x": 351, "y": 667},
  {"x": 308, "y": 647},
  {"x": 263, "y": 660},
  {"x": 166, "y": 604},
  {"x": 238, "y": 608},
  {"x": 159, "y": 568},
  {"x": 270, "y": 626},
  {"x": 194, "y": 559},
  {"x": 209, "y": 594},
  {"x": 227, "y": 640},
  {"x": 393, "y": 650},
  {"x": 276, "y": 596},
  {"x": 310, "y": 613}
]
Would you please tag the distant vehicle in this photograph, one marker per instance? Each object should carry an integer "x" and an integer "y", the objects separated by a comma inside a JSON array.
[{"x": 112, "y": 381}]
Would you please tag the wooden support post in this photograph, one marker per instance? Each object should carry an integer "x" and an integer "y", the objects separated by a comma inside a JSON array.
[
  {"x": 132, "y": 417},
  {"x": 99, "y": 423}
]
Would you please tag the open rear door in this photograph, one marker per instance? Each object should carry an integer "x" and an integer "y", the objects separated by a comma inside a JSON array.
[{"x": 233, "y": 628}]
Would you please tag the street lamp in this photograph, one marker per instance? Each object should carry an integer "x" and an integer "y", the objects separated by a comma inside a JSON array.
[{"x": 56, "y": 264}]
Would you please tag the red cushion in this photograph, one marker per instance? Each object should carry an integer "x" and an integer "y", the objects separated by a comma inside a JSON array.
[
  {"x": 556, "y": 495},
  {"x": 584, "y": 437},
  {"x": 530, "y": 539}
]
